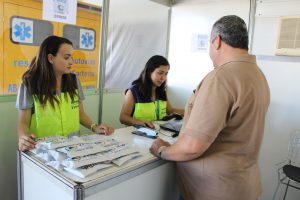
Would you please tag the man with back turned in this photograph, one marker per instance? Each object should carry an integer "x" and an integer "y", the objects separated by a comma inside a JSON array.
[{"x": 218, "y": 145}]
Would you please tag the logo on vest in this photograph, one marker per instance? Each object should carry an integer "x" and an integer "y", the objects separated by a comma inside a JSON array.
[{"x": 75, "y": 104}]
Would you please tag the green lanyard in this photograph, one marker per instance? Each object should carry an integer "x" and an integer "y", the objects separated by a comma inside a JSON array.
[{"x": 157, "y": 109}]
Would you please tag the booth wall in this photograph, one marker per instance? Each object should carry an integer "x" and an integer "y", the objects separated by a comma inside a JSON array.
[
  {"x": 191, "y": 20},
  {"x": 282, "y": 73},
  {"x": 8, "y": 147}
]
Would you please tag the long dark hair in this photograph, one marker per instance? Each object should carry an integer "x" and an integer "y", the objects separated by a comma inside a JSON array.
[
  {"x": 144, "y": 82},
  {"x": 40, "y": 78}
]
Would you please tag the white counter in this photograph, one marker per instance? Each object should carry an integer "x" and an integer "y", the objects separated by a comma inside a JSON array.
[{"x": 145, "y": 178}]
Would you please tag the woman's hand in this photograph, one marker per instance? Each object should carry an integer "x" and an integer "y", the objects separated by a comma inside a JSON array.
[
  {"x": 104, "y": 129},
  {"x": 145, "y": 123},
  {"x": 26, "y": 142}
]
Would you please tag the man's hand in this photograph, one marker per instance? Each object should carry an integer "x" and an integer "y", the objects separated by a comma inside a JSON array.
[{"x": 156, "y": 144}]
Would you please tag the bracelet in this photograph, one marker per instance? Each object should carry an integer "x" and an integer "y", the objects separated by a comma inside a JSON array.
[
  {"x": 92, "y": 126},
  {"x": 159, "y": 151}
]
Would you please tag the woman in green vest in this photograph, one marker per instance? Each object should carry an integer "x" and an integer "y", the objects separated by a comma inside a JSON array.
[
  {"x": 50, "y": 96},
  {"x": 146, "y": 100}
]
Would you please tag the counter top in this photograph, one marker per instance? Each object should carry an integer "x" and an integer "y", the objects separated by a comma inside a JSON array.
[{"x": 123, "y": 134}]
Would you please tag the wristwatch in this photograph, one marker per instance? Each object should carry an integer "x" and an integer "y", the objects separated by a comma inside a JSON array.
[{"x": 159, "y": 151}]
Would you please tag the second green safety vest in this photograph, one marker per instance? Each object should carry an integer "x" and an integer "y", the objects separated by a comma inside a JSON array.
[
  {"x": 145, "y": 109},
  {"x": 63, "y": 120}
]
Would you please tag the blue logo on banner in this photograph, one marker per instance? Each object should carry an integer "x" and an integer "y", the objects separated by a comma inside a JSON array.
[
  {"x": 22, "y": 31},
  {"x": 87, "y": 40}
]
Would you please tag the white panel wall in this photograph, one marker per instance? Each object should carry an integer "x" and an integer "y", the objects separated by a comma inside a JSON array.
[
  {"x": 283, "y": 117},
  {"x": 189, "y": 66},
  {"x": 111, "y": 108},
  {"x": 283, "y": 74},
  {"x": 137, "y": 30}
]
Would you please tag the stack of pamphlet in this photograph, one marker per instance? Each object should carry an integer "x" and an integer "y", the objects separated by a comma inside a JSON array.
[{"x": 83, "y": 156}]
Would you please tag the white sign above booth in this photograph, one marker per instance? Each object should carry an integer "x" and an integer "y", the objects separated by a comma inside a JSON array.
[{"x": 63, "y": 11}]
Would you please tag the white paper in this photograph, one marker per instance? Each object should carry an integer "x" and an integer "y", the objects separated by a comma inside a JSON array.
[
  {"x": 63, "y": 11},
  {"x": 93, "y": 138},
  {"x": 45, "y": 156},
  {"x": 82, "y": 149},
  {"x": 82, "y": 156},
  {"x": 87, "y": 170},
  {"x": 84, "y": 160},
  {"x": 122, "y": 160},
  {"x": 119, "y": 152},
  {"x": 57, "y": 155},
  {"x": 56, "y": 165},
  {"x": 53, "y": 142}
]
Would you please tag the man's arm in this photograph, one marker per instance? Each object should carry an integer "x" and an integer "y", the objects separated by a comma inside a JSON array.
[{"x": 186, "y": 148}]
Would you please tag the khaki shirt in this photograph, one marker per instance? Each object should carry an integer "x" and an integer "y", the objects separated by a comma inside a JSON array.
[{"x": 228, "y": 110}]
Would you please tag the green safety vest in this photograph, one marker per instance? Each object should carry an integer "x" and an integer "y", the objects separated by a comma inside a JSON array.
[
  {"x": 63, "y": 120},
  {"x": 150, "y": 111},
  {"x": 145, "y": 108}
]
